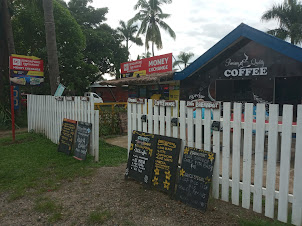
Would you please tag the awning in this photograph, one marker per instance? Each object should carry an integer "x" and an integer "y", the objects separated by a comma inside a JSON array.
[{"x": 147, "y": 79}]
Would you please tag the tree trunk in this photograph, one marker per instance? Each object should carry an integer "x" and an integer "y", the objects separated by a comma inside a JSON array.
[
  {"x": 8, "y": 29},
  {"x": 7, "y": 46},
  {"x": 51, "y": 45},
  {"x": 152, "y": 48}
]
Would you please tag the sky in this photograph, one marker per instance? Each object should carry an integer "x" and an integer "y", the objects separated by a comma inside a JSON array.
[{"x": 198, "y": 24}]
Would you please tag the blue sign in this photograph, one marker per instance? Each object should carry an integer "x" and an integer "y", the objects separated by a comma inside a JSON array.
[{"x": 16, "y": 97}]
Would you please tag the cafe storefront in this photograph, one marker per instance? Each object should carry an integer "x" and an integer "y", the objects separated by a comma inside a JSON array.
[{"x": 245, "y": 66}]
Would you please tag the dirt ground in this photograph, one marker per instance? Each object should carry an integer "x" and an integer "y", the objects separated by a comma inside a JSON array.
[{"x": 125, "y": 202}]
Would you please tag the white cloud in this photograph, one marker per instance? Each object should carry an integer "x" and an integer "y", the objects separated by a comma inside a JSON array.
[{"x": 198, "y": 24}]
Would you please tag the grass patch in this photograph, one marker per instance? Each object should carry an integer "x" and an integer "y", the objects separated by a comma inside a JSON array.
[
  {"x": 99, "y": 217},
  {"x": 111, "y": 155},
  {"x": 50, "y": 207},
  {"x": 33, "y": 165}
]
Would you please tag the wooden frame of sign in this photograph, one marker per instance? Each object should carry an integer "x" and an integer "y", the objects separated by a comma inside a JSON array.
[
  {"x": 82, "y": 140},
  {"x": 67, "y": 136},
  {"x": 166, "y": 163},
  {"x": 141, "y": 157},
  {"x": 195, "y": 177}
]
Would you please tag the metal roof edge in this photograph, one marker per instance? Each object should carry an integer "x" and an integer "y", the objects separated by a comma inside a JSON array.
[{"x": 246, "y": 31}]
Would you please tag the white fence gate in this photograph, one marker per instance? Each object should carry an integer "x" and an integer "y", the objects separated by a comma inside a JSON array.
[
  {"x": 249, "y": 169},
  {"x": 46, "y": 114}
]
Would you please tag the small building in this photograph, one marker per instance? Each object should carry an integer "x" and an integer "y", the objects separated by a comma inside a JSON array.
[
  {"x": 247, "y": 65},
  {"x": 111, "y": 93},
  {"x": 154, "y": 86}
]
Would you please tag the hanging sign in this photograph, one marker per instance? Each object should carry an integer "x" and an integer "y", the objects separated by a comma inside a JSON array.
[{"x": 25, "y": 70}]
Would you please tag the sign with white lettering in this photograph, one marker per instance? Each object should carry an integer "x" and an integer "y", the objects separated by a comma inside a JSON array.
[
  {"x": 203, "y": 104},
  {"x": 165, "y": 103},
  {"x": 82, "y": 140},
  {"x": 245, "y": 67},
  {"x": 141, "y": 157},
  {"x": 195, "y": 177},
  {"x": 147, "y": 66}
]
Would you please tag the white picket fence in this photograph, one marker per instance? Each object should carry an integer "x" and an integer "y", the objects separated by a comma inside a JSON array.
[
  {"x": 247, "y": 171},
  {"x": 46, "y": 114}
]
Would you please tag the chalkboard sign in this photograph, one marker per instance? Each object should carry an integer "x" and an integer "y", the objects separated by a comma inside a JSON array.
[
  {"x": 82, "y": 140},
  {"x": 166, "y": 163},
  {"x": 195, "y": 177},
  {"x": 67, "y": 136},
  {"x": 141, "y": 157}
]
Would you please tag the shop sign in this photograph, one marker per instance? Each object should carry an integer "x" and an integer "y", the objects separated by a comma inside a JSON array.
[
  {"x": 25, "y": 70},
  {"x": 147, "y": 66},
  {"x": 203, "y": 104},
  {"x": 245, "y": 67},
  {"x": 165, "y": 103}
]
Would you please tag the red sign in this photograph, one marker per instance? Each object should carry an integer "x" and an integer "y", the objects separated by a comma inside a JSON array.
[
  {"x": 157, "y": 64},
  {"x": 25, "y": 70},
  {"x": 25, "y": 64}
]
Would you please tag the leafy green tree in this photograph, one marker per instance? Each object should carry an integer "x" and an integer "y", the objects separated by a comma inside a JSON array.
[
  {"x": 152, "y": 19},
  {"x": 127, "y": 31},
  {"x": 289, "y": 16},
  {"x": 104, "y": 47},
  {"x": 30, "y": 40},
  {"x": 183, "y": 58}
]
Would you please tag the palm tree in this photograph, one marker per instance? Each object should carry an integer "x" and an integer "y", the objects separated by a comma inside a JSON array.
[
  {"x": 128, "y": 33},
  {"x": 289, "y": 16},
  {"x": 51, "y": 45},
  {"x": 152, "y": 19},
  {"x": 183, "y": 58}
]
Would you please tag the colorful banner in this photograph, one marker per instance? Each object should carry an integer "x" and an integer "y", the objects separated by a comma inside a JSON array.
[
  {"x": 147, "y": 66},
  {"x": 25, "y": 70}
]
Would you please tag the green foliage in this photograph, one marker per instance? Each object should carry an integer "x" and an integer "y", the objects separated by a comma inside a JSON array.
[
  {"x": 103, "y": 44},
  {"x": 127, "y": 31},
  {"x": 86, "y": 47},
  {"x": 34, "y": 163},
  {"x": 5, "y": 120},
  {"x": 289, "y": 16},
  {"x": 99, "y": 217},
  {"x": 109, "y": 121}
]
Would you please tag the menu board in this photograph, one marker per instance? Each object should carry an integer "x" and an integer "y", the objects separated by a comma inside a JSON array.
[
  {"x": 166, "y": 163},
  {"x": 82, "y": 140},
  {"x": 67, "y": 136},
  {"x": 141, "y": 157},
  {"x": 195, "y": 177}
]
